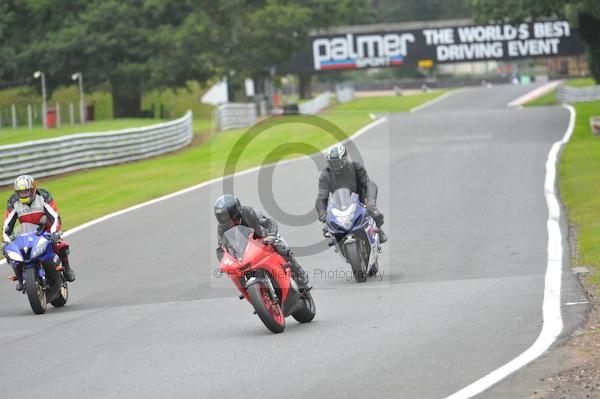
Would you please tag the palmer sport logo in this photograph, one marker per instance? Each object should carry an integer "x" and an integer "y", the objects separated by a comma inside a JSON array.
[{"x": 360, "y": 51}]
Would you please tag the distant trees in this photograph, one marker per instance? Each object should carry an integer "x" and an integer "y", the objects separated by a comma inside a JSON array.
[
  {"x": 136, "y": 46},
  {"x": 421, "y": 10}
]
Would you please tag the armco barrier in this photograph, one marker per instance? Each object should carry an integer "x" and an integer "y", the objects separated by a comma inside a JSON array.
[
  {"x": 567, "y": 94},
  {"x": 235, "y": 115},
  {"x": 317, "y": 104},
  {"x": 90, "y": 150},
  {"x": 344, "y": 94}
]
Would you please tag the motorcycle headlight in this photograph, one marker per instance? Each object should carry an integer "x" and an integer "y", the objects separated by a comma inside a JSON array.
[
  {"x": 12, "y": 255},
  {"x": 345, "y": 217},
  {"x": 39, "y": 248}
]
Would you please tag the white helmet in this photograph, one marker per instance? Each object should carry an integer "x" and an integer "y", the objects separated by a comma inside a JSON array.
[
  {"x": 25, "y": 188},
  {"x": 336, "y": 157}
]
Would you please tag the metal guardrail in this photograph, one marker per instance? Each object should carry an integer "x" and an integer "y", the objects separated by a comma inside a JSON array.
[
  {"x": 241, "y": 115},
  {"x": 567, "y": 94},
  {"x": 90, "y": 150},
  {"x": 344, "y": 94},
  {"x": 317, "y": 104},
  {"x": 235, "y": 115}
]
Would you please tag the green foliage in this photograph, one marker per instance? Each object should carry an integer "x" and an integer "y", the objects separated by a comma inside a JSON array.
[
  {"x": 134, "y": 46},
  {"x": 423, "y": 10},
  {"x": 515, "y": 10},
  {"x": 177, "y": 102},
  {"x": 139, "y": 46}
]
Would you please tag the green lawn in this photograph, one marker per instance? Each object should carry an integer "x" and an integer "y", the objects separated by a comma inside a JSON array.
[
  {"x": 550, "y": 97},
  {"x": 580, "y": 188},
  {"x": 90, "y": 194},
  {"x": 9, "y": 136},
  {"x": 390, "y": 103}
]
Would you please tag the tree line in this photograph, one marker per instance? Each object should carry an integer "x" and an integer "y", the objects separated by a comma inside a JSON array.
[{"x": 135, "y": 46}]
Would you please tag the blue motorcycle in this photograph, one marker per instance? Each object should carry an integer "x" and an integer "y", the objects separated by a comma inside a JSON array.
[
  {"x": 353, "y": 233},
  {"x": 32, "y": 258}
]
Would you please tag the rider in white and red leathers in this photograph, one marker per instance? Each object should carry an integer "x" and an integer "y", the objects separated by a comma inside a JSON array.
[{"x": 30, "y": 204}]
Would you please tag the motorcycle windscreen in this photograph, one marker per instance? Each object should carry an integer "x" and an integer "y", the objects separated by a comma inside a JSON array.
[
  {"x": 236, "y": 240},
  {"x": 342, "y": 199}
]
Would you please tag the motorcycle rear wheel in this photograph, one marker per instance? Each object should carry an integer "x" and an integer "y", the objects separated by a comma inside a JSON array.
[
  {"x": 35, "y": 292},
  {"x": 269, "y": 313}
]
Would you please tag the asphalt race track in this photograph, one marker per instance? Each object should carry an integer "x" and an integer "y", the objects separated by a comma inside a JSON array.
[{"x": 459, "y": 293}]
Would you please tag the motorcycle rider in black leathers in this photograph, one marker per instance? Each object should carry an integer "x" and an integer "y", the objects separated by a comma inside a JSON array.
[
  {"x": 229, "y": 212},
  {"x": 342, "y": 172}
]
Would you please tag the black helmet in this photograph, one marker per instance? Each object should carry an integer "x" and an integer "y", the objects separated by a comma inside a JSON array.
[
  {"x": 228, "y": 210},
  {"x": 336, "y": 157}
]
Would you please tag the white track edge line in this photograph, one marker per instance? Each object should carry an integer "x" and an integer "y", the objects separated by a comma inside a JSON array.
[
  {"x": 551, "y": 308},
  {"x": 435, "y": 100},
  {"x": 91, "y": 223}
]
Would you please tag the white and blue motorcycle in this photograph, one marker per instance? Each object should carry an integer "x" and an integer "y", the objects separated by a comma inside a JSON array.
[{"x": 353, "y": 233}]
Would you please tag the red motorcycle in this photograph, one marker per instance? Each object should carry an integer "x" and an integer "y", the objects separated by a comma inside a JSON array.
[{"x": 264, "y": 279}]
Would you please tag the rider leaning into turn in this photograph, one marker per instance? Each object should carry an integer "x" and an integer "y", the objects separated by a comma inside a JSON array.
[
  {"x": 229, "y": 212},
  {"x": 30, "y": 204},
  {"x": 342, "y": 172}
]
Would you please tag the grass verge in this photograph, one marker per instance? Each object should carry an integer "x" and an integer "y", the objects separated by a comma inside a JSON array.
[
  {"x": 87, "y": 195},
  {"x": 580, "y": 188},
  {"x": 9, "y": 136}
]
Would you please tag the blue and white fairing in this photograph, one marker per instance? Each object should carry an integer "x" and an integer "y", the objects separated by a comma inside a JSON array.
[
  {"x": 29, "y": 248},
  {"x": 345, "y": 213},
  {"x": 346, "y": 216}
]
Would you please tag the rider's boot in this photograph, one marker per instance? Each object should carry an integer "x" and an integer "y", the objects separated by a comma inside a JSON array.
[
  {"x": 18, "y": 277},
  {"x": 327, "y": 235},
  {"x": 67, "y": 271},
  {"x": 382, "y": 236},
  {"x": 299, "y": 275}
]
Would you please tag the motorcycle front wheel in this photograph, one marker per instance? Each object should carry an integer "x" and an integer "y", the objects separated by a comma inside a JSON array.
[
  {"x": 35, "y": 291},
  {"x": 359, "y": 267},
  {"x": 269, "y": 312}
]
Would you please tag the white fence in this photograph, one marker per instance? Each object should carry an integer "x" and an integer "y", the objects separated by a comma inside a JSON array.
[
  {"x": 235, "y": 115},
  {"x": 240, "y": 115},
  {"x": 567, "y": 94},
  {"x": 317, "y": 104},
  {"x": 89, "y": 150},
  {"x": 344, "y": 94}
]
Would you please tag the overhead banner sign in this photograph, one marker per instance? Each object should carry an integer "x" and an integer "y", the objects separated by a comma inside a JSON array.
[{"x": 440, "y": 45}]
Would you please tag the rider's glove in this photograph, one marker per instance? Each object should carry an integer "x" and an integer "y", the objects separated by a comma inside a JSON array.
[
  {"x": 372, "y": 207},
  {"x": 55, "y": 238},
  {"x": 322, "y": 217},
  {"x": 270, "y": 239}
]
